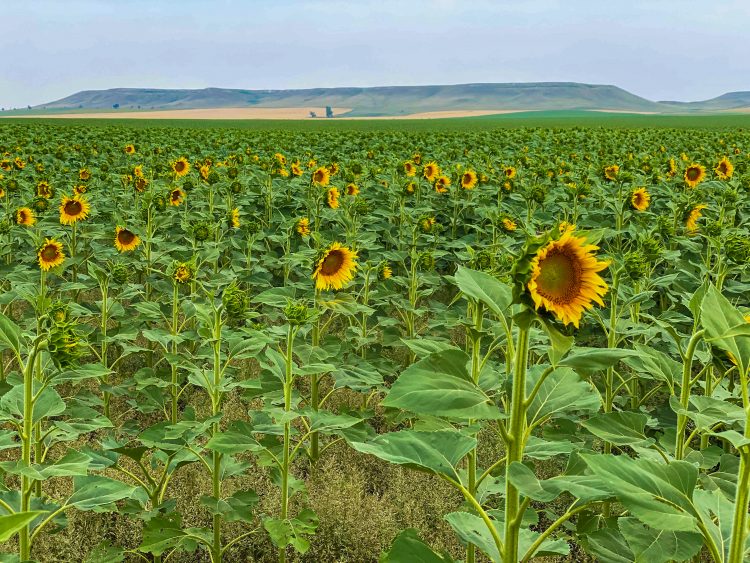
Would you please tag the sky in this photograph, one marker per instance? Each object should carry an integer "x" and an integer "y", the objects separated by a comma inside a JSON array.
[{"x": 660, "y": 49}]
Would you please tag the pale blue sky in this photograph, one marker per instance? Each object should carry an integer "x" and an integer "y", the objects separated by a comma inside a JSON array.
[{"x": 659, "y": 49}]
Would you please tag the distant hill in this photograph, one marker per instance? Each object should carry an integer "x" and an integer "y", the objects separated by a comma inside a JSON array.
[
  {"x": 395, "y": 100},
  {"x": 390, "y": 100},
  {"x": 725, "y": 102}
]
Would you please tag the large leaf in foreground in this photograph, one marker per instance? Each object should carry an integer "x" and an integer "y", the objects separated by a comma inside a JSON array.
[{"x": 434, "y": 452}]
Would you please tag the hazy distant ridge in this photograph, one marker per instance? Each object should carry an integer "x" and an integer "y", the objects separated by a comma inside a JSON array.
[{"x": 398, "y": 100}]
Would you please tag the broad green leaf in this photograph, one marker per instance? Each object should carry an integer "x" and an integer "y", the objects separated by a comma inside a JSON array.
[
  {"x": 651, "y": 545},
  {"x": 718, "y": 318},
  {"x": 72, "y": 463},
  {"x": 93, "y": 492},
  {"x": 620, "y": 428},
  {"x": 106, "y": 553},
  {"x": 292, "y": 531},
  {"x": 435, "y": 452},
  {"x": 608, "y": 545},
  {"x": 653, "y": 364},
  {"x": 10, "y": 334},
  {"x": 588, "y": 488},
  {"x": 594, "y": 358},
  {"x": 485, "y": 288},
  {"x": 472, "y": 529},
  {"x": 408, "y": 547},
  {"x": 440, "y": 385},
  {"x": 563, "y": 392},
  {"x": 236, "y": 439},
  {"x": 11, "y": 524},
  {"x": 658, "y": 495}
]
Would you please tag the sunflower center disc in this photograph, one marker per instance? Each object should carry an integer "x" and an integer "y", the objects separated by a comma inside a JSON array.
[
  {"x": 49, "y": 252},
  {"x": 73, "y": 208},
  {"x": 559, "y": 277},
  {"x": 332, "y": 263}
]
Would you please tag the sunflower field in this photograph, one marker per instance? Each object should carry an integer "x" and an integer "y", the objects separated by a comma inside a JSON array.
[{"x": 379, "y": 345}]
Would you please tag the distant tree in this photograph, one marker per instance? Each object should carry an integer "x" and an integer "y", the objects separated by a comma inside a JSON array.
[
  {"x": 329, "y": 111},
  {"x": 28, "y": 107},
  {"x": 116, "y": 106},
  {"x": 313, "y": 114}
]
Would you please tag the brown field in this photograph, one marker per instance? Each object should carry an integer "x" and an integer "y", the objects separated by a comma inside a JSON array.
[{"x": 256, "y": 113}]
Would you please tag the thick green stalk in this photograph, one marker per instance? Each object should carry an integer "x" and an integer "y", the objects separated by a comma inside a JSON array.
[
  {"x": 27, "y": 437},
  {"x": 285, "y": 462},
  {"x": 740, "y": 519},
  {"x": 476, "y": 348},
  {"x": 687, "y": 373},
  {"x": 515, "y": 446},
  {"x": 105, "y": 319},
  {"x": 315, "y": 389},
  {"x": 215, "y": 410},
  {"x": 175, "y": 328}
]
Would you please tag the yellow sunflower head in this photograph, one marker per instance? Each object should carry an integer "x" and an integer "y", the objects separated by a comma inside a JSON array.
[
  {"x": 441, "y": 184},
  {"x": 125, "y": 240},
  {"x": 84, "y": 174},
  {"x": 384, "y": 271},
  {"x": 508, "y": 224},
  {"x": 335, "y": 267},
  {"x": 352, "y": 189},
  {"x": 234, "y": 218},
  {"x": 296, "y": 169},
  {"x": 130, "y": 149},
  {"x": 332, "y": 198},
  {"x": 564, "y": 277},
  {"x": 694, "y": 174},
  {"x": 303, "y": 227},
  {"x": 25, "y": 217},
  {"x": 724, "y": 169},
  {"x": 50, "y": 254},
  {"x": 183, "y": 272},
  {"x": 176, "y": 197},
  {"x": 205, "y": 171},
  {"x": 321, "y": 176},
  {"x": 691, "y": 221},
  {"x": 510, "y": 172},
  {"x": 469, "y": 180},
  {"x": 43, "y": 189},
  {"x": 640, "y": 199},
  {"x": 410, "y": 169},
  {"x": 610, "y": 172},
  {"x": 138, "y": 171},
  {"x": 431, "y": 171},
  {"x": 74, "y": 209},
  {"x": 181, "y": 166}
]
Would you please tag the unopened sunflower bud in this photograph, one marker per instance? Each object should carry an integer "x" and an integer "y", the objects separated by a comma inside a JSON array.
[{"x": 297, "y": 313}]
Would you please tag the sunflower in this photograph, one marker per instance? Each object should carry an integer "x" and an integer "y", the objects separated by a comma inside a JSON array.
[
  {"x": 84, "y": 174},
  {"x": 724, "y": 169},
  {"x": 694, "y": 174},
  {"x": 130, "y": 149},
  {"x": 469, "y": 180},
  {"x": 335, "y": 268},
  {"x": 138, "y": 171},
  {"x": 20, "y": 164},
  {"x": 410, "y": 169},
  {"x": 176, "y": 197},
  {"x": 321, "y": 176},
  {"x": 183, "y": 272},
  {"x": 509, "y": 172},
  {"x": 431, "y": 171},
  {"x": 334, "y": 168},
  {"x": 508, "y": 224},
  {"x": 125, "y": 240},
  {"x": 417, "y": 158},
  {"x": 296, "y": 169},
  {"x": 25, "y": 217},
  {"x": 140, "y": 184},
  {"x": 205, "y": 171},
  {"x": 6, "y": 165},
  {"x": 352, "y": 189},
  {"x": 691, "y": 221},
  {"x": 640, "y": 199},
  {"x": 564, "y": 278},
  {"x": 80, "y": 189},
  {"x": 410, "y": 188},
  {"x": 303, "y": 227},
  {"x": 441, "y": 184},
  {"x": 43, "y": 189},
  {"x": 73, "y": 209},
  {"x": 2, "y": 192},
  {"x": 234, "y": 218},
  {"x": 385, "y": 271},
  {"x": 181, "y": 166},
  {"x": 312, "y": 163},
  {"x": 280, "y": 158},
  {"x": 672, "y": 168},
  {"x": 610, "y": 172},
  {"x": 332, "y": 198},
  {"x": 50, "y": 254}
]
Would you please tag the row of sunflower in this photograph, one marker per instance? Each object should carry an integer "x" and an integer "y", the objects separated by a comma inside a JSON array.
[{"x": 402, "y": 294}]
